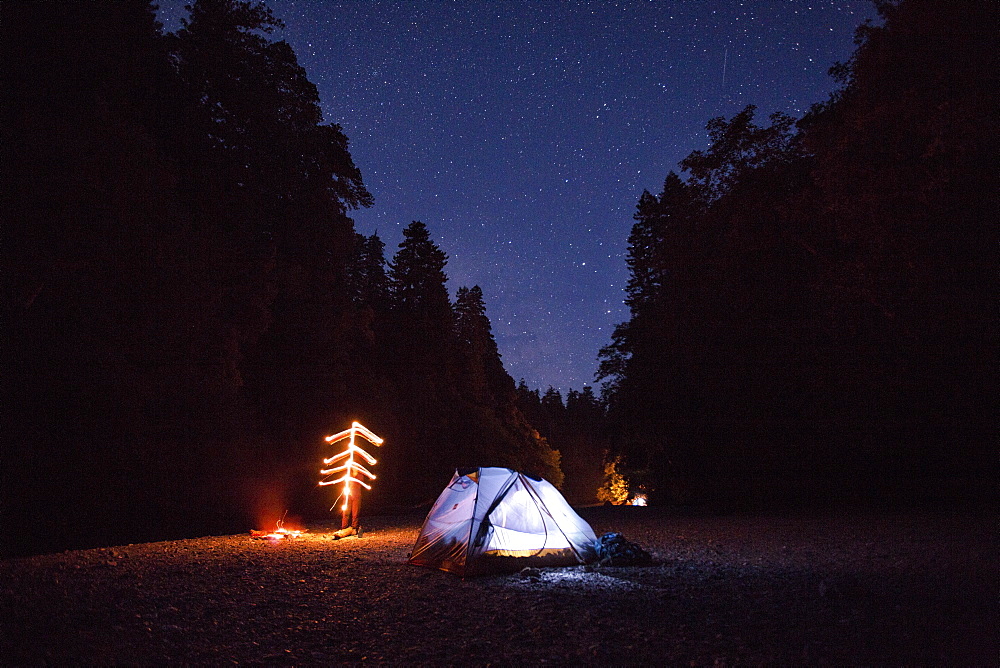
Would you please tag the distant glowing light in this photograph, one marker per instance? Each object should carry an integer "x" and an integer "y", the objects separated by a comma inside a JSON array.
[
  {"x": 638, "y": 500},
  {"x": 349, "y": 469}
]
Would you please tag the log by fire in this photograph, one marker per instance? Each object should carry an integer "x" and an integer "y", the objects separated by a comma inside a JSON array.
[{"x": 279, "y": 532}]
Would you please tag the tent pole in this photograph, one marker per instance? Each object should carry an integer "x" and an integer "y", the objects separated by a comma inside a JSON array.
[
  {"x": 472, "y": 523},
  {"x": 547, "y": 512},
  {"x": 489, "y": 511}
]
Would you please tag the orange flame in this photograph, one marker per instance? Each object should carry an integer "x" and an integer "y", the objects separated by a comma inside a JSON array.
[{"x": 280, "y": 532}]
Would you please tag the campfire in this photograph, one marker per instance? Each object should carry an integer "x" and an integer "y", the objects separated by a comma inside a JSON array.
[{"x": 279, "y": 532}]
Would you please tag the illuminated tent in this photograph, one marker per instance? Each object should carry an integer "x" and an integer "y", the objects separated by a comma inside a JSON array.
[{"x": 495, "y": 519}]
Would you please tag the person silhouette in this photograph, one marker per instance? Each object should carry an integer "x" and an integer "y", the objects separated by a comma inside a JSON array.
[{"x": 350, "y": 518}]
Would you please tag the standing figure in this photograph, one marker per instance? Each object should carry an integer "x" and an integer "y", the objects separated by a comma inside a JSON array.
[
  {"x": 350, "y": 519},
  {"x": 350, "y": 472}
]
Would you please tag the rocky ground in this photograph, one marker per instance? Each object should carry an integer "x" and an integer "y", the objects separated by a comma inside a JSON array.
[{"x": 847, "y": 589}]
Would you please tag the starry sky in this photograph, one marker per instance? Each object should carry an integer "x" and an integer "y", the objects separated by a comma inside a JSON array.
[{"x": 522, "y": 133}]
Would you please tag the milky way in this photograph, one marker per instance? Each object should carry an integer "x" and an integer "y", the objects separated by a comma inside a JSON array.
[{"x": 523, "y": 133}]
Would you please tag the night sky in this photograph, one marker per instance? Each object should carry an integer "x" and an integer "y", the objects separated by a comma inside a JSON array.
[{"x": 523, "y": 133}]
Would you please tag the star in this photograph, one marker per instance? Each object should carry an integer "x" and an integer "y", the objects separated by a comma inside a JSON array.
[{"x": 518, "y": 131}]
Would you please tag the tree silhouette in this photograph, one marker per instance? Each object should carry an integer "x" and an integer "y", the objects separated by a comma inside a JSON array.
[
  {"x": 795, "y": 299},
  {"x": 367, "y": 280}
]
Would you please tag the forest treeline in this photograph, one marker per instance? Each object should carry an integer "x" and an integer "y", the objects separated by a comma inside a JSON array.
[
  {"x": 189, "y": 307},
  {"x": 813, "y": 303}
]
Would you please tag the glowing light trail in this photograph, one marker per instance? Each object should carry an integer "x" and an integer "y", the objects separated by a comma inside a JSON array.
[{"x": 350, "y": 469}]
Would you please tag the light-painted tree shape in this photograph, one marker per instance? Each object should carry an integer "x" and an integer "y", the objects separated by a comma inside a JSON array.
[{"x": 348, "y": 468}]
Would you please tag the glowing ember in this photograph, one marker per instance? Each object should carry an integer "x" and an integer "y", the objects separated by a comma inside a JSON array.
[
  {"x": 348, "y": 468},
  {"x": 638, "y": 500},
  {"x": 279, "y": 533}
]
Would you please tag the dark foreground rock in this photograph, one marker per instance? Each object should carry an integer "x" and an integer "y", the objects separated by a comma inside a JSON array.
[{"x": 862, "y": 588}]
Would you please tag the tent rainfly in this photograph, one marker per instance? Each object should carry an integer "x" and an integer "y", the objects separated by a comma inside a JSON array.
[{"x": 495, "y": 519}]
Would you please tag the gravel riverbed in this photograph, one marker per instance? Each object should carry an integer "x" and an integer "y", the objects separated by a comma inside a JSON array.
[{"x": 849, "y": 588}]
